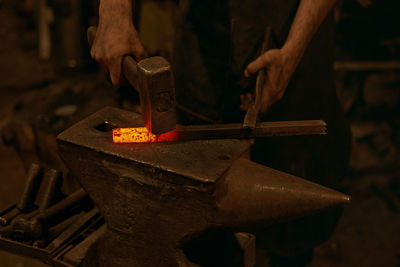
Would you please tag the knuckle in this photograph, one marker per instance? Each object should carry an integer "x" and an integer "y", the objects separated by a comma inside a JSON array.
[
  {"x": 94, "y": 54},
  {"x": 265, "y": 59},
  {"x": 109, "y": 58}
]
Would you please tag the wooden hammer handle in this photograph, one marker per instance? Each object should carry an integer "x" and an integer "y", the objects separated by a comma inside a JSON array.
[{"x": 129, "y": 64}]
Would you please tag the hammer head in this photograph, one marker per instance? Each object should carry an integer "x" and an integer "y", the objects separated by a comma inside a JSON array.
[
  {"x": 157, "y": 94},
  {"x": 153, "y": 78}
]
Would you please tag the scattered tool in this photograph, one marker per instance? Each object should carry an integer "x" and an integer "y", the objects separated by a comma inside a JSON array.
[
  {"x": 56, "y": 230},
  {"x": 74, "y": 228},
  {"x": 41, "y": 225},
  {"x": 53, "y": 179},
  {"x": 153, "y": 79},
  {"x": 33, "y": 228},
  {"x": 28, "y": 195}
]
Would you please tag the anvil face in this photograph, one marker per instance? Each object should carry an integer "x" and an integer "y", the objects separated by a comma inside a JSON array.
[{"x": 203, "y": 160}]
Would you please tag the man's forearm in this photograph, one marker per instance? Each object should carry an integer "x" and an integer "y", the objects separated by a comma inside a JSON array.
[
  {"x": 111, "y": 10},
  {"x": 116, "y": 36},
  {"x": 309, "y": 16}
]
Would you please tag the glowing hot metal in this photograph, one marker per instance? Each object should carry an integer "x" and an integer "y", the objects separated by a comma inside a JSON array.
[{"x": 139, "y": 135}]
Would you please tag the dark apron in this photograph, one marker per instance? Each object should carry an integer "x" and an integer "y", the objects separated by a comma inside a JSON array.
[{"x": 216, "y": 41}]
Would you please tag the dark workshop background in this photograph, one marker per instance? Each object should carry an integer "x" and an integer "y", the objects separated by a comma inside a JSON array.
[{"x": 48, "y": 82}]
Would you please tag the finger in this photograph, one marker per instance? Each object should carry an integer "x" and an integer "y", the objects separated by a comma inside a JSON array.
[
  {"x": 262, "y": 61},
  {"x": 114, "y": 69},
  {"x": 245, "y": 101},
  {"x": 243, "y": 105},
  {"x": 138, "y": 52},
  {"x": 95, "y": 55},
  {"x": 137, "y": 48}
]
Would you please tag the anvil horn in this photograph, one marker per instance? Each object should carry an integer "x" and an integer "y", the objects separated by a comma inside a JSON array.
[{"x": 252, "y": 194}]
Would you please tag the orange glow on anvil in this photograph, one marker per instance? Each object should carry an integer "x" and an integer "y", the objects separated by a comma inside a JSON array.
[{"x": 139, "y": 135}]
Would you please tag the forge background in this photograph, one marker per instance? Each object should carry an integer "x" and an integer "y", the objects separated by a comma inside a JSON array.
[{"x": 47, "y": 82}]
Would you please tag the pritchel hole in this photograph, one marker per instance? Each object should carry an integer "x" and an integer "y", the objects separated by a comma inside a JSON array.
[
  {"x": 105, "y": 126},
  {"x": 224, "y": 157}
]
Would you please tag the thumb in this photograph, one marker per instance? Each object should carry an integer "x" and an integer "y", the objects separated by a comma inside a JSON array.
[{"x": 262, "y": 61}]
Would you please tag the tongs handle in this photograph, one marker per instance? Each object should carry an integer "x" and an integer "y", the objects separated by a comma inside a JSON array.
[{"x": 250, "y": 120}]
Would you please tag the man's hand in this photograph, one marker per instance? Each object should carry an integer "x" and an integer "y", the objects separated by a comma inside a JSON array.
[
  {"x": 116, "y": 37},
  {"x": 279, "y": 67},
  {"x": 281, "y": 63}
]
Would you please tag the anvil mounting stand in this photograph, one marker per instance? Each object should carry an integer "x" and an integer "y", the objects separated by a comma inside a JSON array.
[{"x": 154, "y": 196}]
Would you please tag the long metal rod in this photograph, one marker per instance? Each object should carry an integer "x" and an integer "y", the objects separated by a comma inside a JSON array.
[{"x": 263, "y": 129}]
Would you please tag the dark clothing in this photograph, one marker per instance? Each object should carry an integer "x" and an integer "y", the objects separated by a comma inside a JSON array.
[{"x": 217, "y": 40}]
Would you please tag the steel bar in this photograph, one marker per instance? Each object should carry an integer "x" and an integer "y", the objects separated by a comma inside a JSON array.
[
  {"x": 221, "y": 131},
  {"x": 263, "y": 129}
]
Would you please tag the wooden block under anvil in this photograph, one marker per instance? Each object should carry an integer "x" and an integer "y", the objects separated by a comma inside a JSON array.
[{"x": 154, "y": 196}]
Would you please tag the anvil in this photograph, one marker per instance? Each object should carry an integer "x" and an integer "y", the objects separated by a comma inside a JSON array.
[{"x": 154, "y": 196}]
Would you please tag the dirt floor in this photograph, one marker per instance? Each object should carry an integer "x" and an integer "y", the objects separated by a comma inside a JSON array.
[{"x": 368, "y": 232}]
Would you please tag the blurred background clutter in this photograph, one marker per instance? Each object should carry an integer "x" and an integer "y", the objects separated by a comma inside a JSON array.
[{"x": 48, "y": 82}]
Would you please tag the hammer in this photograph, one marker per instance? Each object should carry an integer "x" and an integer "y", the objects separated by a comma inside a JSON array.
[{"x": 153, "y": 79}]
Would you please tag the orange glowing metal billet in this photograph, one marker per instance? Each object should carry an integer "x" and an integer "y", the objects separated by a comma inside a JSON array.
[{"x": 139, "y": 135}]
